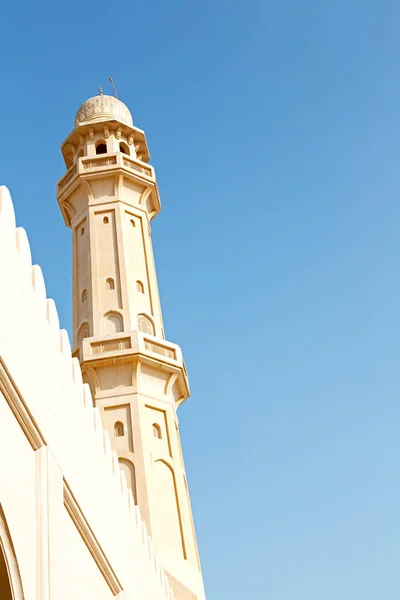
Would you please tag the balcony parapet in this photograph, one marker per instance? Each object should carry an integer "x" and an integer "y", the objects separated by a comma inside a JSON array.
[
  {"x": 133, "y": 346},
  {"x": 102, "y": 162}
]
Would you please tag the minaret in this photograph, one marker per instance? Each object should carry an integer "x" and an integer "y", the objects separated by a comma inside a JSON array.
[{"x": 108, "y": 197}]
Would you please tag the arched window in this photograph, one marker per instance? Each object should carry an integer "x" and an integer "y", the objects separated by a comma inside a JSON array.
[
  {"x": 124, "y": 148},
  {"x": 106, "y": 220},
  {"x": 145, "y": 325},
  {"x": 83, "y": 332},
  {"x": 119, "y": 429},
  {"x": 110, "y": 283},
  {"x": 84, "y": 296},
  {"x": 140, "y": 287},
  {"x": 101, "y": 148},
  {"x": 112, "y": 323},
  {"x": 157, "y": 431}
]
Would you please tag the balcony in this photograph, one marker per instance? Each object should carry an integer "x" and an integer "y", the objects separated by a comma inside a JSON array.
[{"x": 94, "y": 164}]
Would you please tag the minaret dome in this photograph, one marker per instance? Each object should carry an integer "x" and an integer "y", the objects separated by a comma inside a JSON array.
[{"x": 103, "y": 108}]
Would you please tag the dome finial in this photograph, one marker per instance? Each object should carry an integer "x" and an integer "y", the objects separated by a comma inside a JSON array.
[{"x": 101, "y": 90}]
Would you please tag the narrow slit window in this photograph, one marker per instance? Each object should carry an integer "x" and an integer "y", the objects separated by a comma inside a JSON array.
[
  {"x": 106, "y": 220},
  {"x": 140, "y": 287},
  {"x": 84, "y": 296},
  {"x": 157, "y": 431},
  {"x": 110, "y": 283},
  {"x": 119, "y": 429}
]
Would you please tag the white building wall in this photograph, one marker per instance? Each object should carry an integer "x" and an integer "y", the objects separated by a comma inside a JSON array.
[{"x": 72, "y": 520}]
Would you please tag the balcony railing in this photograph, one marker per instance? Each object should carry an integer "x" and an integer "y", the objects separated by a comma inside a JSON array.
[
  {"x": 67, "y": 178},
  {"x": 119, "y": 160},
  {"x": 95, "y": 163}
]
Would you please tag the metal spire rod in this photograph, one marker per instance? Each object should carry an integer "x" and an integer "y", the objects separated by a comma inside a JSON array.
[{"x": 112, "y": 82}]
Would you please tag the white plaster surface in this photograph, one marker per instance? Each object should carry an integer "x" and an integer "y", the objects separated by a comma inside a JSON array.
[{"x": 56, "y": 449}]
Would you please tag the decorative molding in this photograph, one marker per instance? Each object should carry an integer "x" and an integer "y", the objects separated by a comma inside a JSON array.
[
  {"x": 7, "y": 547},
  {"x": 91, "y": 134},
  {"x": 90, "y": 540},
  {"x": 160, "y": 349},
  {"x": 19, "y": 408},
  {"x": 42, "y": 524},
  {"x": 110, "y": 346},
  {"x": 118, "y": 133}
]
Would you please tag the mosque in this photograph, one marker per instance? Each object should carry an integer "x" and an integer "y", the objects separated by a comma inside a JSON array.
[{"x": 94, "y": 502}]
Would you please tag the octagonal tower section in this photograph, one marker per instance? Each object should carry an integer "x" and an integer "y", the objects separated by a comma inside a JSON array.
[{"x": 108, "y": 198}]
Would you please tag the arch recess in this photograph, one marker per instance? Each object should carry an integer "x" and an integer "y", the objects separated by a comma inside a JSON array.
[
  {"x": 145, "y": 324},
  {"x": 101, "y": 147},
  {"x": 166, "y": 516},
  {"x": 10, "y": 578},
  {"x": 128, "y": 468},
  {"x": 112, "y": 323},
  {"x": 119, "y": 430},
  {"x": 124, "y": 148},
  {"x": 83, "y": 332},
  {"x": 157, "y": 431}
]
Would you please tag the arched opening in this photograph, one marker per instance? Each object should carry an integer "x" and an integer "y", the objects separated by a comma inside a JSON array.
[
  {"x": 101, "y": 148},
  {"x": 110, "y": 283},
  {"x": 157, "y": 431},
  {"x": 119, "y": 429},
  {"x": 129, "y": 469},
  {"x": 5, "y": 584},
  {"x": 145, "y": 325},
  {"x": 106, "y": 220},
  {"x": 10, "y": 578},
  {"x": 84, "y": 296},
  {"x": 82, "y": 230},
  {"x": 167, "y": 532},
  {"x": 140, "y": 287},
  {"x": 113, "y": 323},
  {"x": 83, "y": 332},
  {"x": 124, "y": 148}
]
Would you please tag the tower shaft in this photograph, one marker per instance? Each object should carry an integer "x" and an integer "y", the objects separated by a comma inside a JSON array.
[{"x": 108, "y": 197}]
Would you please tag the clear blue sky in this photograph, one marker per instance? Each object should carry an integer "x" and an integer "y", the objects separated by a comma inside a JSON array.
[{"x": 274, "y": 130}]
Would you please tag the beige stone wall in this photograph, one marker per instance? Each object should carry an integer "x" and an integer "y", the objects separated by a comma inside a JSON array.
[
  {"x": 108, "y": 197},
  {"x": 73, "y": 527}
]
